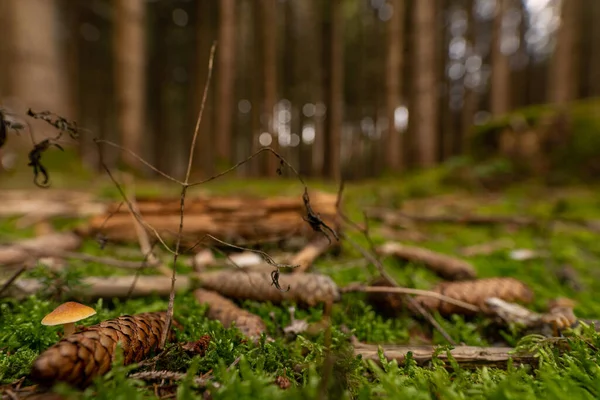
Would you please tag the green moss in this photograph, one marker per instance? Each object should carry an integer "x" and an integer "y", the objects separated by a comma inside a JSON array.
[{"x": 302, "y": 359}]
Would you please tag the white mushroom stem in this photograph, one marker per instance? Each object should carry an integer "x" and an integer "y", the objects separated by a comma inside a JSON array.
[{"x": 69, "y": 328}]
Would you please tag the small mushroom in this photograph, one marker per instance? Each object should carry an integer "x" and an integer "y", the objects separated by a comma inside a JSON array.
[{"x": 67, "y": 314}]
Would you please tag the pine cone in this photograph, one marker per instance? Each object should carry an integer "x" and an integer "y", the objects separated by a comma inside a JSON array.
[
  {"x": 476, "y": 292},
  {"x": 81, "y": 356},
  {"x": 305, "y": 288},
  {"x": 227, "y": 312}
]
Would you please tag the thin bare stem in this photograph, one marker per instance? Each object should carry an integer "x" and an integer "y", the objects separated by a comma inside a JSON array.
[
  {"x": 184, "y": 188},
  {"x": 204, "y": 96},
  {"x": 373, "y": 257},
  {"x": 140, "y": 159},
  {"x": 236, "y": 166},
  {"x": 414, "y": 303}
]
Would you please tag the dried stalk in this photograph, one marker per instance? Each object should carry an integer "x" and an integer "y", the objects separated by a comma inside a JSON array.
[
  {"x": 228, "y": 313},
  {"x": 81, "y": 356},
  {"x": 423, "y": 294},
  {"x": 184, "y": 189},
  {"x": 447, "y": 267}
]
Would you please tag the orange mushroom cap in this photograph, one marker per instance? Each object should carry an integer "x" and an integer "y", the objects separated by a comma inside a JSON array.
[{"x": 67, "y": 313}]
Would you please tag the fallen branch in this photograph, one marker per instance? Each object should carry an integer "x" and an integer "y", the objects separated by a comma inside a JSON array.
[
  {"x": 468, "y": 357},
  {"x": 228, "y": 313},
  {"x": 305, "y": 257},
  {"x": 50, "y": 204},
  {"x": 237, "y": 220},
  {"x": 81, "y": 356},
  {"x": 30, "y": 250},
  {"x": 445, "y": 266},
  {"x": 394, "y": 217},
  {"x": 92, "y": 288}
]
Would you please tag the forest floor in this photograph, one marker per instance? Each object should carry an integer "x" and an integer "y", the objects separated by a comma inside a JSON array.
[{"x": 552, "y": 258}]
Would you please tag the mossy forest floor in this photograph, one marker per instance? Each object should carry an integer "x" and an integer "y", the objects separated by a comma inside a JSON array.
[{"x": 264, "y": 368}]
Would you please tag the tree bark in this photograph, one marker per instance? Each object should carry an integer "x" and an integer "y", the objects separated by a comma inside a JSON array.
[
  {"x": 425, "y": 109},
  {"x": 335, "y": 90},
  {"x": 500, "y": 80},
  {"x": 225, "y": 78},
  {"x": 394, "y": 159},
  {"x": 564, "y": 68},
  {"x": 130, "y": 75},
  {"x": 269, "y": 78}
]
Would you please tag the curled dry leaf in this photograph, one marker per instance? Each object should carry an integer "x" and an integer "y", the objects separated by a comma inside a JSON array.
[
  {"x": 447, "y": 267},
  {"x": 227, "y": 312},
  {"x": 80, "y": 357},
  {"x": 305, "y": 288},
  {"x": 476, "y": 292}
]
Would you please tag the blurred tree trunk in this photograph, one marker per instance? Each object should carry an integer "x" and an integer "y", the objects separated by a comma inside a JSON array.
[
  {"x": 269, "y": 77},
  {"x": 500, "y": 80},
  {"x": 225, "y": 73},
  {"x": 34, "y": 61},
  {"x": 394, "y": 159},
  {"x": 334, "y": 82},
  {"x": 447, "y": 114},
  {"x": 5, "y": 30},
  {"x": 242, "y": 134},
  {"x": 424, "y": 116},
  {"x": 471, "y": 99},
  {"x": 130, "y": 67},
  {"x": 205, "y": 37},
  {"x": 593, "y": 70},
  {"x": 564, "y": 68},
  {"x": 305, "y": 52}
]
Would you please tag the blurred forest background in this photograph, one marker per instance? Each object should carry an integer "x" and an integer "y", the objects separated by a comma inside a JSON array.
[{"x": 353, "y": 87}]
